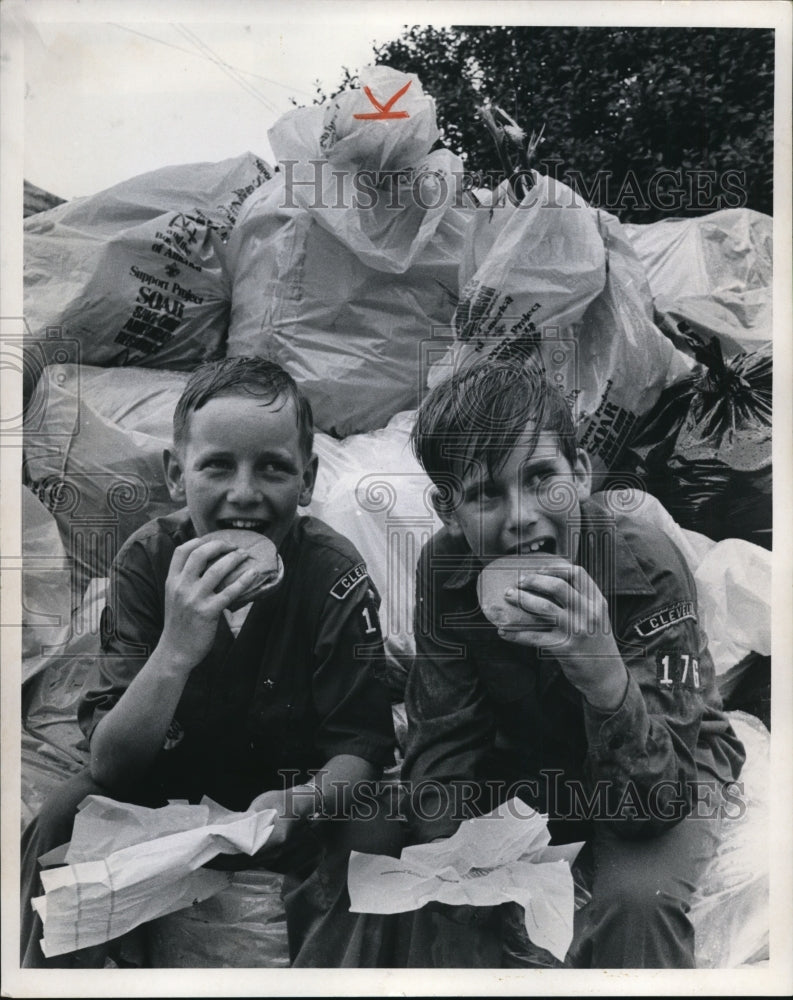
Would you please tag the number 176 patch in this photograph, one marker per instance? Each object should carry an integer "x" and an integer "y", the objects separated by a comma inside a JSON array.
[{"x": 676, "y": 669}]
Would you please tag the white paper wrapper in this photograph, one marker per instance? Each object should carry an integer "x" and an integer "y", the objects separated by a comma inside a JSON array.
[
  {"x": 501, "y": 857},
  {"x": 128, "y": 864}
]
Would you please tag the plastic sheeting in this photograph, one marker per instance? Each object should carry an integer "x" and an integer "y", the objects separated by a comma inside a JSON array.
[
  {"x": 342, "y": 269},
  {"x": 734, "y": 589},
  {"x": 44, "y": 767},
  {"x": 46, "y": 580},
  {"x": 730, "y": 910},
  {"x": 95, "y": 457},
  {"x": 243, "y": 926},
  {"x": 733, "y": 580},
  {"x": 713, "y": 274},
  {"x": 372, "y": 489},
  {"x": 53, "y": 746},
  {"x": 135, "y": 274}
]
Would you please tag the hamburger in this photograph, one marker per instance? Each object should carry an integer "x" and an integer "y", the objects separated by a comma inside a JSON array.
[
  {"x": 501, "y": 574},
  {"x": 262, "y": 556}
]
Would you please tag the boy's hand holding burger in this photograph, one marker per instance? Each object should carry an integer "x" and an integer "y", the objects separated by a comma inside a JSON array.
[
  {"x": 544, "y": 601},
  {"x": 221, "y": 571}
]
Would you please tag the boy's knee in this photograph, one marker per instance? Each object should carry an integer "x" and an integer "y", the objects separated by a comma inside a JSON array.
[
  {"x": 640, "y": 895},
  {"x": 635, "y": 921},
  {"x": 635, "y": 896}
]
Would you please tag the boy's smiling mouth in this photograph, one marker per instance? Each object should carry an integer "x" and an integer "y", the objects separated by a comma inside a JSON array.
[
  {"x": 546, "y": 544},
  {"x": 244, "y": 523}
]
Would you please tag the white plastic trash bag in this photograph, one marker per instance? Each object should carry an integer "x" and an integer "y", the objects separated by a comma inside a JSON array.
[
  {"x": 393, "y": 128},
  {"x": 540, "y": 262},
  {"x": 371, "y": 488},
  {"x": 344, "y": 270},
  {"x": 95, "y": 457},
  {"x": 561, "y": 283},
  {"x": 624, "y": 362},
  {"x": 730, "y": 910},
  {"x": 46, "y": 581},
  {"x": 370, "y": 180},
  {"x": 732, "y": 577},
  {"x": 136, "y": 274},
  {"x": 714, "y": 273},
  {"x": 734, "y": 588}
]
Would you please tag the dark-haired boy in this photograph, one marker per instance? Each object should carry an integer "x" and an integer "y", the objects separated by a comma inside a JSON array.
[
  {"x": 609, "y": 720},
  {"x": 191, "y": 699}
]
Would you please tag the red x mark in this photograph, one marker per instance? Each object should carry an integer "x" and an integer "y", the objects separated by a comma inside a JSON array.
[{"x": 384, "y": 111}]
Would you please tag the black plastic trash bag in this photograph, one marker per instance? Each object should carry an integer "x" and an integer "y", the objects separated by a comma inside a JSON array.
[{"x": 704, "y": 450}]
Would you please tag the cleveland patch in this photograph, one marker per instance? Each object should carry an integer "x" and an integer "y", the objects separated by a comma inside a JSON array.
[
  {"x": 659, "y": 620},
  {"x": 342, "y": 587}
]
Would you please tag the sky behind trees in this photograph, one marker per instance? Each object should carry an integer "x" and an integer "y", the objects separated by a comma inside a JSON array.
[{"x": 112, "y": 90}]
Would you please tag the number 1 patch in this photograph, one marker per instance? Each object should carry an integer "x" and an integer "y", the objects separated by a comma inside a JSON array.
[
  {"x": 370, "y": 621},
  {"x": 676, "y": 669}
]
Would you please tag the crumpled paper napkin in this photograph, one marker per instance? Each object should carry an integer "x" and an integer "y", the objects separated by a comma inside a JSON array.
[
  {"x": 502, "y": 856},
  {"x": 128, "y": 864}
]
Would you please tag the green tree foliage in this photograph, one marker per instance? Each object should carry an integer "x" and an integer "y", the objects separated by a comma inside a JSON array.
[{"x": 647, "y": 122}]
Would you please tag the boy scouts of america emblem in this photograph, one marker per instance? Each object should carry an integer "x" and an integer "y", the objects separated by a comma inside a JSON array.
[{"x": 345, "y": 584}]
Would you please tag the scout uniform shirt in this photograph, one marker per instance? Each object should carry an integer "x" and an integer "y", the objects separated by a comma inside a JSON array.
[
  {"x": 298, "y": 685},
  {"x": 489, "y": 716}
]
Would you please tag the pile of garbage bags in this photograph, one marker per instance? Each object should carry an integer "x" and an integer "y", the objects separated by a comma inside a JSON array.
[
  {"x": 363, "y": 266},
  {"x": 711, "y": 275}
]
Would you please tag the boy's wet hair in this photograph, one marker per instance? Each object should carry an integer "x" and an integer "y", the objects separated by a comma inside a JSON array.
[
  {"x": 265, "y": 380},
  {"x": 473, "y": 419}
]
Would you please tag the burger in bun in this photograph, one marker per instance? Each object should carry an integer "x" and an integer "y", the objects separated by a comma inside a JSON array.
[
  {"x": 505, "y": 573},
  {"x": 261, "y": 556}
]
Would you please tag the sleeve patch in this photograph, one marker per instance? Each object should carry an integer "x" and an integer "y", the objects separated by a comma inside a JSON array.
[
  {"x": 348, "y": 581},
  {"x": 675, "y": 670},
  {"x": 664, "y": 618}
]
